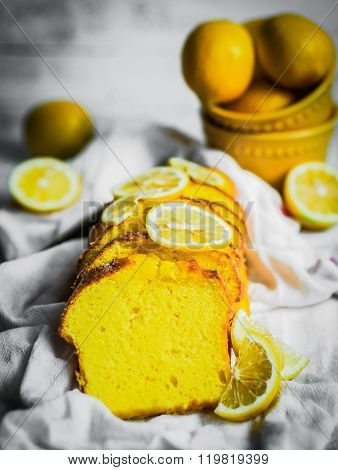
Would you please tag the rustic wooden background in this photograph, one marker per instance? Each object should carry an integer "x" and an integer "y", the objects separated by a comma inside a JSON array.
[{"x": 118, "y": 57}]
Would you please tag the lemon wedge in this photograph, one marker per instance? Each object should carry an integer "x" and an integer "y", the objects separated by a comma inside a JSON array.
[
  {"x": 157, "y": 183},
  {"x": 311, "y": 194},
  {"x": 291, "y": 362},
  {"x": 254, "y": 382},
  {"x": 45, "y": 184},
  {"x": 204, "y": 175},
  {"x": 183, "y": 225},
  {"x": 120, "y": 210}
]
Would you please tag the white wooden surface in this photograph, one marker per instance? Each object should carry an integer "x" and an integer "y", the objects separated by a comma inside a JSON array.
[{"x": 118, "y": 57}]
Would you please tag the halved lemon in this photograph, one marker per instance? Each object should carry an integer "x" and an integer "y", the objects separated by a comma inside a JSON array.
[
  {"x": 311, "y": 194},
  {"x": 204, "y": 175},
  {"x": 254, "y": 382},
  {"x": 291, "y": 362},
  {"x": 45, "y": 184},
  {"x": 157, "y": 183},
  {"x": 120, "y": 210},
  {"x": 187, "y": 226}
]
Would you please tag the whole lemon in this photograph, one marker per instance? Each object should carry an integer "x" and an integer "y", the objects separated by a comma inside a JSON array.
[
  {"x": 253, "y": 26},
  {"x": 57, "y": 128},
  {"x": 262, "y": 97},
  {"x": 294, "y": 51},
  {"x": 218, "y": 60}
]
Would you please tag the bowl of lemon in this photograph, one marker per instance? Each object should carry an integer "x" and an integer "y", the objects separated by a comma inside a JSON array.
[
  {"x": 271, "y": 155},
  {"x": 265, "y": 93}
]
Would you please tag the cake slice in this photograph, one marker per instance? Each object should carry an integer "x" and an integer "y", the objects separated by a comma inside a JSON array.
[
  {"x": 212, "y": 194},
  {"x": 107, "y": 233},
  {"x": 140, "y": 242},
  {"x": 150, "y": 335},
  {"x": 230, "y": 216}
]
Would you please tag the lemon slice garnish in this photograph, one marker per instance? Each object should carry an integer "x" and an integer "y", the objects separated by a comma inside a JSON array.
[
  {"x": 204, "y": 175},
  {"x": 254, "y": 381},
  {"x": 311, "y": 194},
  {"x": 120, "y": 210},
  {"x": 291, "y": 361},
  {"x": 159, "y": 182},
  {"x": 183, "y": 225},
  {"x": 45, "y": 184}
]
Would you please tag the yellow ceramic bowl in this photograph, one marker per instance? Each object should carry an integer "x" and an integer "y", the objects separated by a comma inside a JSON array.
[
  {"x": 271, "y": 155},
  {"x": 308, "y": 111}
]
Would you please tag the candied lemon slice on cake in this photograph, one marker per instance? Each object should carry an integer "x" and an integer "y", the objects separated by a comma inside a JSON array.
[
  {"x": 311, "y": 194},
  {"x": 45, "y": 184},
  {"x": 157, "y": 183},
  {"x": 254, "y": 381},
  {"x": 204, "y": 175},
  {"x": 184, "y": 226},
  {"x": 120, "y": 210},
  {"x": 291, "y": 362}
]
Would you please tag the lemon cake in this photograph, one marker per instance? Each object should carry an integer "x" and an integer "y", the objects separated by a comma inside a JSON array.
[
  {"x": 104, "y": 234},
  {"x": 156, "y": 292},
  {"x": 203, "y": 191},
  {"x": 212, "y": 194},
  {"x": 150, "y": 336},
  {"x": 229, "y": 215},
  {"x": 130, "y": 243},
  {"x": 107, "y": 233},
  {"x": 235, "y": 221}
]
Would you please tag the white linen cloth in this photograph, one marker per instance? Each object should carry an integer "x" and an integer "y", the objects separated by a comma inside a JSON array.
[{"x": 39, "y": 402}]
